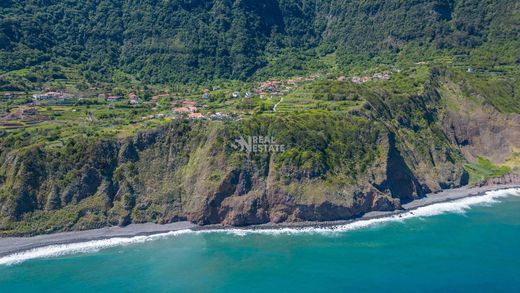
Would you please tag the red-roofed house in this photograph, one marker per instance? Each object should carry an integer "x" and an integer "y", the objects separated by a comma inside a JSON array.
[{"x": 196, "y": 116}]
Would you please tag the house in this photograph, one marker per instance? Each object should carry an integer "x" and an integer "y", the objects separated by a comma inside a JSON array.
[
  {"x": 112, "y": 98},
  {"x": 217, "y": 116},
  {"x": 51, "y": 95},
  {"x": 249, "y": 95},
  {"x": 471, "y": 70},
  {"x": 64, "y": 96},
  {"x": 377, "y": 76},
  {"x": 181, "y": 110},
  {"x": 196, "y": 116},
  {"x": 236, "y": 95},
  {"x": 133, "y": 99},
  {"x": 356, "y": 80},
  {"x": 341, "y": 78}
]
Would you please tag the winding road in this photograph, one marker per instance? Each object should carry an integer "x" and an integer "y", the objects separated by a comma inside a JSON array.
[{"x": 276, "y": 105}]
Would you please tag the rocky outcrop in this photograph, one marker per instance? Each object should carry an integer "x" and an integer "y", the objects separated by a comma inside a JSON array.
[
  {"x": 503, "y": 180},
  {"x": 483, "y": 132}
]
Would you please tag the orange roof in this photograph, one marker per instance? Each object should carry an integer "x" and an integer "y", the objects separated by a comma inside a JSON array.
[
  {"x": 181, "y": 110},
  {"x": 196, "y": 115},
  {"x": 157, "y": 97}
]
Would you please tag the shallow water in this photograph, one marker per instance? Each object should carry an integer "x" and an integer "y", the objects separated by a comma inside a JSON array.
[{"x": 468, "y": 245}]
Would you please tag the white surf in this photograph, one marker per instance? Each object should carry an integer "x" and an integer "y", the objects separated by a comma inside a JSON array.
[{"x": 457, "y": 206}]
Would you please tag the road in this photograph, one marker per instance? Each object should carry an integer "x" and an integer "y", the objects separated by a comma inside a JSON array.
[{"x": 276, "y": 105}]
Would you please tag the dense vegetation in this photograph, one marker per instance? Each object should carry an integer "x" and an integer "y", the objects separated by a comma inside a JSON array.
[{"x": 194, "y": 40}]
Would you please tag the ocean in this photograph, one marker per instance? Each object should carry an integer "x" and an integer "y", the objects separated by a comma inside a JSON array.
[{"x": 469, "y": 245}]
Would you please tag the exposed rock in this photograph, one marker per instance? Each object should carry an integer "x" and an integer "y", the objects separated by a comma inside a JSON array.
[
  {"x": 483, "y": 132},
  {"x": 506, "y": 179}
]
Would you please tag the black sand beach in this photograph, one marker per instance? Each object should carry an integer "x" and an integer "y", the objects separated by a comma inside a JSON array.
[{"x": 11, "y": 245}]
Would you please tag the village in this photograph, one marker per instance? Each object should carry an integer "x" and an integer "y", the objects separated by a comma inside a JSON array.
[{"x": 212, "y": 103}]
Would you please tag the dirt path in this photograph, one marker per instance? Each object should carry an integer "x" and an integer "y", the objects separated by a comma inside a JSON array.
[{"x": 276, "y": 105}]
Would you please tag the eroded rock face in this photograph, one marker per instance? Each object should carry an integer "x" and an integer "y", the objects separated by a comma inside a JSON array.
[
  {"x": 248, "y": 196},
  {"x": 483, "y": 132},
  {"x": 506, "y": 179}
]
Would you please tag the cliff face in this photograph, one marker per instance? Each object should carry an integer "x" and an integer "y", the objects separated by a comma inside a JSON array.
[
  {"x": 484, "y": 132},
  {"x": 188, "y": 171}
]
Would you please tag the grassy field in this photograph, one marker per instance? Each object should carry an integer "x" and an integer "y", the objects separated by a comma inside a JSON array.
[{"x": 484, "y": 169}]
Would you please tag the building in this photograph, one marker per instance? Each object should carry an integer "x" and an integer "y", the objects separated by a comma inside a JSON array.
[
  {"x": 51, "y": 95},
  {"x": 181, "y": 110},
  {"x": 236, "y": 95},
  {"x": 196, "y": 116},
  {"x": 133, "y": 99},
  {"x": 356, "y": 80},
  {"x": 113, "y": 98}
]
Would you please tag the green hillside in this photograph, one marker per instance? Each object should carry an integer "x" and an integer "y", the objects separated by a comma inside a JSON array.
[{"x": 196, "y": 40}]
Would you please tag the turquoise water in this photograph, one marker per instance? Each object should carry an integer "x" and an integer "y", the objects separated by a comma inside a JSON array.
[{"x": 477, "y": 250}]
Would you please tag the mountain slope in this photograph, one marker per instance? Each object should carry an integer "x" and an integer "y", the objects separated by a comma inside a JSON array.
[{"x": 180, "y": 40}]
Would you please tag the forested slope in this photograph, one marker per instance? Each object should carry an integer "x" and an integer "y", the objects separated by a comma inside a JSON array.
[{"x": 194, "y": 40}]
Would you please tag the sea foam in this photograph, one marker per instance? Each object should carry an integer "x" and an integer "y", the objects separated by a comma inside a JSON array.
[
  {"x": 82, "y": 247},
  {"x": 456, "y": 206}
]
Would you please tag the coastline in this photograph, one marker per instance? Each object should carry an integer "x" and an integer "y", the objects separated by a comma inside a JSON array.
[{"x": 14, "y": 245}]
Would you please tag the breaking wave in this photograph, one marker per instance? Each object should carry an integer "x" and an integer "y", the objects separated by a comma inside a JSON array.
[
  {"x": 81, "y": 247},
  {"x": 456, "y": 206}
]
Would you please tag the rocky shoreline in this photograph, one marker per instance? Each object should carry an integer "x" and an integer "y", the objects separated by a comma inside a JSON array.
[{"x": 12, "y": 245}]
